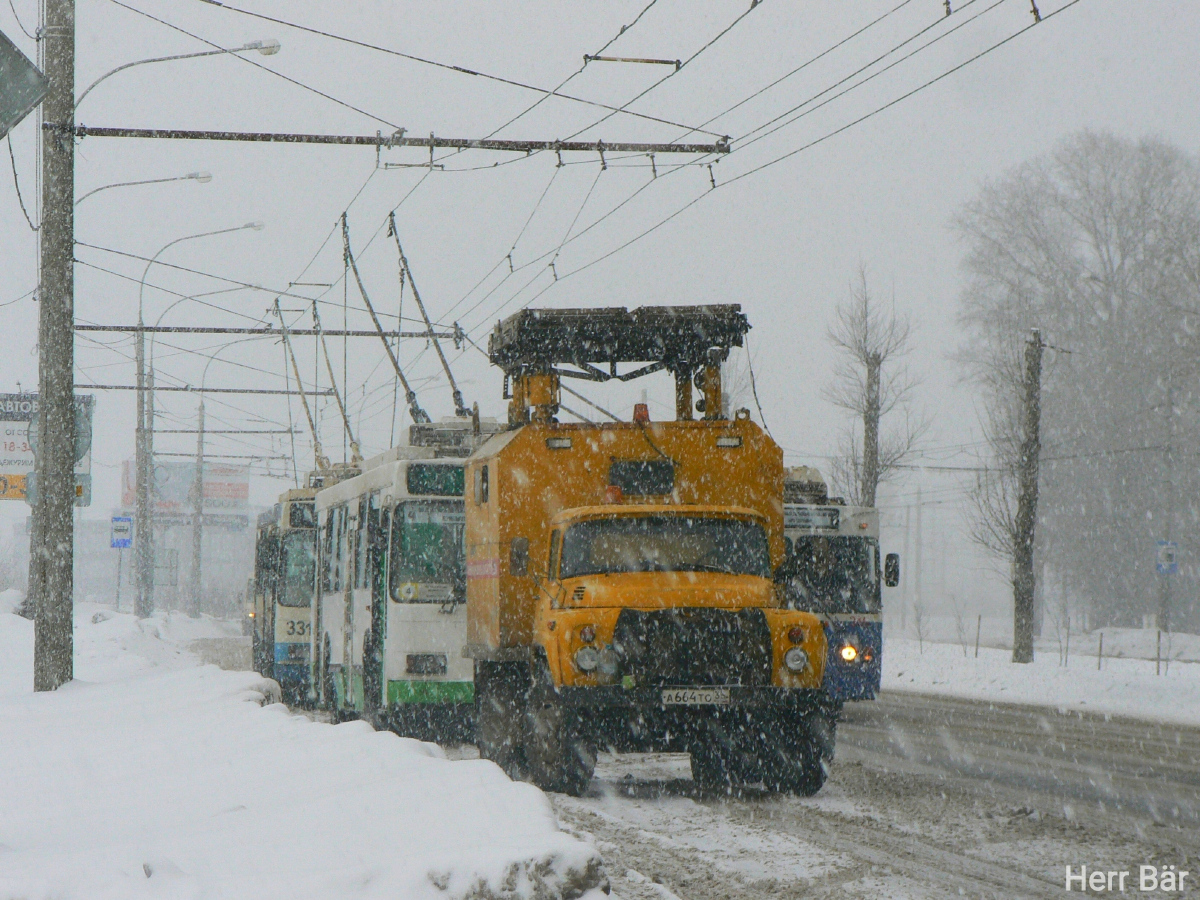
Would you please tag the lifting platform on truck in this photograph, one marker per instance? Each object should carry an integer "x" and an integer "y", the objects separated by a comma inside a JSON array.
[{"x": 620, "y": 576}]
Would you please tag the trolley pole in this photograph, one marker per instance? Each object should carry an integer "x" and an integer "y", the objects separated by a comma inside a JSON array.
[
  {"x": 1024, "y": 580},
  {"x": 53, "y": 533}
]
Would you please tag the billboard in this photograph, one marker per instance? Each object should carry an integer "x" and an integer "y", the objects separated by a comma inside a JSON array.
[
  {"x": 226, "y": 492},
  {"x": 18, "y": 442}
]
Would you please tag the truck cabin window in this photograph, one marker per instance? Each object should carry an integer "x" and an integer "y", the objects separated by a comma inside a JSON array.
[
  {"x": 427, "y": 548},
  {"x": 833, "y": 575},
  {"x": 299, "y": 568},
  {"x": 665, "y": 544}
]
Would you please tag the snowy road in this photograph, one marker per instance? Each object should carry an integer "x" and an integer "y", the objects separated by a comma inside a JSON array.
[{"x": 929, "y": 798}]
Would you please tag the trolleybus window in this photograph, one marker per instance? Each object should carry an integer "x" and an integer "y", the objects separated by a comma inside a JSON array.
[
  {"x": 302, "y": 515},
  {"x": 427, "y": 547},
  {"x": 299, "y": 568},
  {"x": 424, "y": 479},
  {"x": 665, "y": 544},
  {"x": 833, "y": 575}
]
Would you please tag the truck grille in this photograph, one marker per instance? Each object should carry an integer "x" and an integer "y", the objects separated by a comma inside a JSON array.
[{"x": 694, "y": 646}]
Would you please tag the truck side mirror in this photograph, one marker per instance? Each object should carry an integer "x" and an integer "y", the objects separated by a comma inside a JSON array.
[
  {"x": 891, "y": 569},
  {"x": 518, "y": 557}
]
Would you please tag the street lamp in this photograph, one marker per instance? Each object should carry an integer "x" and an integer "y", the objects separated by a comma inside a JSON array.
[
  {"x": 266, "y": 48},
  {"x": 143, "y": 449},
  {"x": 198, "y": 490},
  {"x": 202, "y": 177}
]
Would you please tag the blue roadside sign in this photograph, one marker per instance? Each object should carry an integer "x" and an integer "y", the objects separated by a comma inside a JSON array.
[
  {"x": 1166, "y": 559},
  {"x": 122, "y": 532}
]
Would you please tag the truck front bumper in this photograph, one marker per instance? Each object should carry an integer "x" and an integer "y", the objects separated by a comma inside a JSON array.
[{"x": 650, "y": 697}]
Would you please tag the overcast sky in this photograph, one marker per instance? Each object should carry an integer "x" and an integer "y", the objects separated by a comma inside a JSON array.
[{"x": 784, "y": 241}]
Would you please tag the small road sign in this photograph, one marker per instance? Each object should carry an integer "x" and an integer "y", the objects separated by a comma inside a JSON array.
[
  {"x": 1166, "y": 558},
  {"x": 122, "y": 532},
  {"x": 22, "y": 85}
]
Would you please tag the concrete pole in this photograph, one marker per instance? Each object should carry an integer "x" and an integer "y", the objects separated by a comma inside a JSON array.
[
  {"x": 144, "y": 539},
  {"x": 198, "y": 516},
  {"x": 870, "y": 459},
  {"x": 1027, "y": 497},
  {"x": 54, "y": 533}
]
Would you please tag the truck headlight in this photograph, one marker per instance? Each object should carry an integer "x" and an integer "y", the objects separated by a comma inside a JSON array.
[
  {"x": 796, "y": 659},
  {"x": 608, "y": 661},
  {"x": 849, "y": 653},
  {"x": 586, "y": 659}
]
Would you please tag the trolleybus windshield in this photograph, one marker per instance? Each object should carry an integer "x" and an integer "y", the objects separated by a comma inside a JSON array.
[
  {"x": 664, "y": 544},
  {"x": 299, "y": 568},
  {"x": 833, "y": 575},
  {"x": 427, "y": 548}
]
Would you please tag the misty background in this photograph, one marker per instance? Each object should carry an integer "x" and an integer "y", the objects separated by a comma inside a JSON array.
[{"x": 786, "y": 242}]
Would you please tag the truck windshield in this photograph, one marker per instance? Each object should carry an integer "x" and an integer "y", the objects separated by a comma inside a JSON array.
[
  {"x": 833, "y": 575},
  {"x": 299, "y": 567},
  {"x": 665, "y": 544},
  {"x": 427, "y": 548}
]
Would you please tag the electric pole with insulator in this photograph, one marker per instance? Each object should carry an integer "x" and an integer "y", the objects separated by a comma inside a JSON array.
[
  {"x": 1027, "y": 497},
  {"x": 53, "y": 534}
]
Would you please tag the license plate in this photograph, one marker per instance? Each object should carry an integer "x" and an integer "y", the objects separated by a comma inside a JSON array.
[{"x": 702, "y": 696}]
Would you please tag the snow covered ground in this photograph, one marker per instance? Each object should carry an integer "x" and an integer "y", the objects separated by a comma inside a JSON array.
[
  {"x": 151, "y": 775},
  {"x": 1125, "y": 684}
]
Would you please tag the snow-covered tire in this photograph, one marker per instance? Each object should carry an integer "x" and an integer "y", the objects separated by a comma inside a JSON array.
[
  {"x": 501, "y": 692},
  {"x": 712, "y": 769},
  {"x": 559, "y": 755},
  {"x": 795, "y": 753}
]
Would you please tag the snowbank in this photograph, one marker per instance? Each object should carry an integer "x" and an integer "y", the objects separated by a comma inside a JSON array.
[
  {"x": 1124, "y": 685},
  {"x": 153, "y": 776},
  {"x": 10, "y": 599}
]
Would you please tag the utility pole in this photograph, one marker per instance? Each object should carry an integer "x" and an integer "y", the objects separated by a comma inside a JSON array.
[
  {"x": 906, "y": 575},
  {"x": 1027, "y": 485},
  {"x": 54, "y": 536},
  {"x": 143, "y": 552},
  {"x": 918, "y": 582},
  {"x": 198, "y": 517},
  {"x": 1164, "y": 579},
  {"x": 143, "y": 547},
  {"x": 870, "y": 463}
]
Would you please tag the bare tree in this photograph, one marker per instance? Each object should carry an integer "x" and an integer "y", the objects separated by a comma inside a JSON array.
[
  {"x": 1098, "y": 245},
  {"x": 960, "y": 624},
  {"x": 869, "y": 383},
  {"x": 919, "y": 623}
]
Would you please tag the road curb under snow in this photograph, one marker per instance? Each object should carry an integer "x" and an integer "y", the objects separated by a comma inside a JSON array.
[{"x": 153, "y": 776}]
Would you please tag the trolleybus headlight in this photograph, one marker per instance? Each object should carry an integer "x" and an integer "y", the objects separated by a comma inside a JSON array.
[
  {"x": 849, "y": 653},
  {"x": 796, "y": 659},
  {"x": 586, "y": 659}
]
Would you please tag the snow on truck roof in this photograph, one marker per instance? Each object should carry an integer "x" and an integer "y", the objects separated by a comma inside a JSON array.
[{"x": 674, "y": 337}]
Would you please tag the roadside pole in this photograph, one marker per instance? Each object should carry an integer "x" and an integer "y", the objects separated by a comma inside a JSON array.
[
  {"x": 197, "y": 516},
  {"x": 53, "y": 534},
  {"x": 1023, "y": 572}
]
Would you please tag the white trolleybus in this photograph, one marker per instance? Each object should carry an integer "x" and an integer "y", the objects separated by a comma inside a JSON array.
[{"x": 390, "y": 617}]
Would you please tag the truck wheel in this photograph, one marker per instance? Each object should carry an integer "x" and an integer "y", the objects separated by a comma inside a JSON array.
[
  {"x": 796, "y": 755},
  {"x": 712, "y": 769},
  {"x": 719, "y": 756},
  {"x": 560, "y": 758},
  {"x": 501, "y": 692}
]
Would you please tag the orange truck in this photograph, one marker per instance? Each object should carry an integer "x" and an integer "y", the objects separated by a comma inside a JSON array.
[{"x": 621, "y": 577}]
